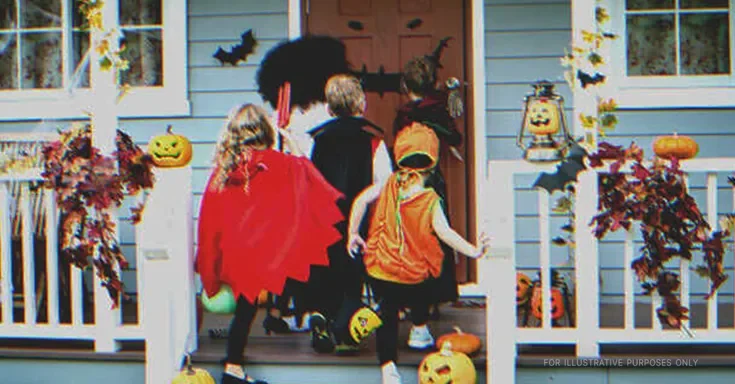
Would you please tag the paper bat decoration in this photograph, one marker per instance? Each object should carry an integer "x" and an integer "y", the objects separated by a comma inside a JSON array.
[
  {"x": 380, "y": 81},
  {"x": 566, "y": 172},
  {"x": 238, "y": 52},
  {"x": 587, "y": 79}
]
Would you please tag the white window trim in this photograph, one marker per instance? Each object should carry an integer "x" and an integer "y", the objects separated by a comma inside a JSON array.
[
  {"x": 661, "y": 93},
  {"x": 168, "y": 100}
]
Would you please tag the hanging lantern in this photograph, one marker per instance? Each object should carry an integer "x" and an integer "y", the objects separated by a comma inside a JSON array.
[{"x": 543, "y": 120}]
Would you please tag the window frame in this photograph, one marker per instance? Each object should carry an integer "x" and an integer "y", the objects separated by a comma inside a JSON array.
[
  {"x": 699, "y": 91},
  {"x": 20, "y": 105}
]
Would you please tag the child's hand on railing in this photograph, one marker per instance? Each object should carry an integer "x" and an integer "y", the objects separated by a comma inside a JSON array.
[
  {"x": 355, "y": 244},
  {"x": 483, "y": 247}
]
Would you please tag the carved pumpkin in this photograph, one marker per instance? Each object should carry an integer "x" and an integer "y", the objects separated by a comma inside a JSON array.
[
  {"x": 447, "y": 367},
  {"x": 363, "y": 323},
  {"x": 223, "y": 302},
  {"x": 557, "y": 303},
  {"x": 523, "y": 285},
  {"x": 170, "y": 150},
  {"x": 675, "y": 146},
  {"x": 466, "y": 343},
  {"x": 542, "y": 117},
  {"x": 191, "y": 375}
]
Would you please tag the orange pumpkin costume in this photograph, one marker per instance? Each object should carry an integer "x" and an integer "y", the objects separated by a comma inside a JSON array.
[{"x": 402, "y": 246}]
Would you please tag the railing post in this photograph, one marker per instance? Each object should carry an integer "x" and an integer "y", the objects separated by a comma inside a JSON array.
[
  {"x": 499, "y": 219},
  {"x": 165, "y": 251},
  {"x": 586, "y": 268},
  {"x": 6, "y": 264}
]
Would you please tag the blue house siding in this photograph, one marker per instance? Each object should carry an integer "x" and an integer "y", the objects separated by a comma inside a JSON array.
[{"x": 524, "y": 41}]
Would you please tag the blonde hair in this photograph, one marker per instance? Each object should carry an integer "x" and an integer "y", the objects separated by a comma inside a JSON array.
[
  {"x": 247, "y": 128},
  {"x": 345, "y": 96}
]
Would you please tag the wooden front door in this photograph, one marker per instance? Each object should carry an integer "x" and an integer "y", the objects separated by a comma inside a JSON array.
[{"x": 389, "y": 33}]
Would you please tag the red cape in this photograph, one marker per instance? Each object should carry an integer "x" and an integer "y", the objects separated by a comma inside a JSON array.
[{"x": 253, "y": 240}]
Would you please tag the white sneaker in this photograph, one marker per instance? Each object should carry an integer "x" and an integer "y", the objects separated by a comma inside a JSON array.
[
  {"x": 390, "y": 374},
  {"x": 420, "y": 338}
]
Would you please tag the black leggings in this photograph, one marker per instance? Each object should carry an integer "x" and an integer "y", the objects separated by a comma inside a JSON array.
[
  {"x": 240, "y": 330},
  {"x": 394, "y": 296}
]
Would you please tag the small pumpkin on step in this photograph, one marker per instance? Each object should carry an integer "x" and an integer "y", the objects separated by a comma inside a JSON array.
[
  {"x": 191, "y": 375},
  {"x": 460, "y": 341}
]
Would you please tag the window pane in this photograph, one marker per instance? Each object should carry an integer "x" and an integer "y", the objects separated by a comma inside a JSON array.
[
  {"x": 8, "y": 62},
  {"x": 649, "y": 4},
  {"x": 7, "y": 14},
  {"x": 704, "y": 3},
  {"x": 705, "y": 44},
  {"x": 651, "y": 45},
  {"x": 143, "y": 49},
  {"x": 140, "y": 12},
  {"x": 80, "y": 45},
  {"x": 40, "y": 13},
  {"x": 44, "y": 73}
]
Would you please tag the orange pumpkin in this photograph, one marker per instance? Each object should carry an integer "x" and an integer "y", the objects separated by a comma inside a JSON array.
[
  {"x": 191, "y": 375},
  {"x": 466, "y": 343},
  {"x": 523, "y": 284},
  {"x": 675, "y": 146},
  {"x": 557, "y": 303}
]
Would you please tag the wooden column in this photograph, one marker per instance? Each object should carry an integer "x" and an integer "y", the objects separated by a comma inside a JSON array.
[{"x": 104, "y": 122}]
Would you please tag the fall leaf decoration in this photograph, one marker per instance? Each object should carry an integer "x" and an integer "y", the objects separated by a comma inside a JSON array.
[
  {"x": 671, "y": 224},
  {"x": 109, "y": 57},
  {"x": 89, "y": 188}
]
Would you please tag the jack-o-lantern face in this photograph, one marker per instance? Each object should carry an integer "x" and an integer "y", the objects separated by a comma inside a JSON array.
[
  {"x": 447, "y": 367},
  {"x": 542, "y": 117},
  {"x": 557, "y": 303},
  {"x": 170, "y": 150},
  {"x": 363, "y": 323},
  {"x": 523, "y": 286}
]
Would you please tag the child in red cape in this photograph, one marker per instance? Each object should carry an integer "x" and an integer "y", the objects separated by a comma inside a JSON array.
[{"x": 265, "y": 216}]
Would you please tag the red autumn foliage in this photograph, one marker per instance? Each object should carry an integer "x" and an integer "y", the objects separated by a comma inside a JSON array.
[
  {"x": 90, "y": 188},
  {"x": 670, "y": 222}
]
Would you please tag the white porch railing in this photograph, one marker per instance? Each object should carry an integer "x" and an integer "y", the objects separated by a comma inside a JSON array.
[
  {"x": 40, "y": 301},
  {"x": 499, "y": 272}
]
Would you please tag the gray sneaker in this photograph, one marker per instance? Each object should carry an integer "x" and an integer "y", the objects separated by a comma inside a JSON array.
[{"x": 420, "y": 338}]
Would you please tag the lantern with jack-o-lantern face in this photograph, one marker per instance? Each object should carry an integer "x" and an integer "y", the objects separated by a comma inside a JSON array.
[
  {"x": 447, "y": 367},
  {"x": 543, "y": 118}
]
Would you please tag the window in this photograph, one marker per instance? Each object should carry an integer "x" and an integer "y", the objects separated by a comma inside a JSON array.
[
  {"x": 44, "y": 52},
  {"x": 673, "y": 53}
]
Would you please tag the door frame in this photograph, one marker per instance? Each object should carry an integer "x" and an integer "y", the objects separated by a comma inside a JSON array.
[{"x": 476, "y": 123}]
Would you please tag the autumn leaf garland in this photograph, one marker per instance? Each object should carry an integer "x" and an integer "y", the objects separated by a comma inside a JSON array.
[
  {"x": 90, "y": 188},
  {"x": 670, "y": 221}
]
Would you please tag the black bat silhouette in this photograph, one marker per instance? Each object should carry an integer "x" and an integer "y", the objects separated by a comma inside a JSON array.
[
  {"x": 566, "y": 172},
  {"x": 238, "y": 52},
  {"x": 587, "y": 79}
]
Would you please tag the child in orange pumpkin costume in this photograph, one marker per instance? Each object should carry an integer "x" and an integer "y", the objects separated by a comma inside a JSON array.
[{"x": 402, "y": 255}]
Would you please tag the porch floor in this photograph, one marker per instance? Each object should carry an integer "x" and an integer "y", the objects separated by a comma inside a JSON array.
[{"x": 294, "y": 349}]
